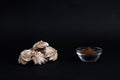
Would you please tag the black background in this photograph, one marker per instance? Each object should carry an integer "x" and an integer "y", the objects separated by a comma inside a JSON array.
[{"x": 66, "y": 25}]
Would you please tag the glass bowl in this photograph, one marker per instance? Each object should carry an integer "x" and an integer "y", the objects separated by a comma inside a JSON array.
[{"x": 89, "y": 57}]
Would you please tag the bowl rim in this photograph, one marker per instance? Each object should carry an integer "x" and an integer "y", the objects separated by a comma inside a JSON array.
[{"x": 99, "y": 50}]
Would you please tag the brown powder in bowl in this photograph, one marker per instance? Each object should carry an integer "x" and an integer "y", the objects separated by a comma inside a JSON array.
[{"x": 88, "y": 50}]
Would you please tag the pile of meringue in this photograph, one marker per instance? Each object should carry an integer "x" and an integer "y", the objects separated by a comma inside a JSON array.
[{"x": 40, "y": 53}]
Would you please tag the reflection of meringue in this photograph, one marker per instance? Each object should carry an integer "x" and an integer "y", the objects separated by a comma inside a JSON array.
[
  {"x": 40, "y": 44},
  {"x": 40, "y": 53}
]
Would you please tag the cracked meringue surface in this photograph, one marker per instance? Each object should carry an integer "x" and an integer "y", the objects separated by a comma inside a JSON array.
[
  {"x": 38, "y": 58},
  {"x": 25, "y": 56},
  {"x": 50, "y": 53},
  {"x": 40, "y": 53},
  {"x": 40, "y": 44}
]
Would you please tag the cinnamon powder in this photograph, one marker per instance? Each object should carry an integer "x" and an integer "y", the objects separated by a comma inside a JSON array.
[{"x": 88, "y": 50}]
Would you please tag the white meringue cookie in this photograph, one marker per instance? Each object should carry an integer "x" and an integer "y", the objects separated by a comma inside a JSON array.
[
  {"x": 40, "y": 53},
  {"x": 40, "y": 44}
]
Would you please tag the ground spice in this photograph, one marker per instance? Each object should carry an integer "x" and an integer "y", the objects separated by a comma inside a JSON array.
[{"x": 88, "y": 50}]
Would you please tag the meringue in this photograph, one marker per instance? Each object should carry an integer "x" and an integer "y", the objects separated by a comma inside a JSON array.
[{"x": 40, "y": 53}]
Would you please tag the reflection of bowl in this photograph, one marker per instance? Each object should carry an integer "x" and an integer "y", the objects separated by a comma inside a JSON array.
[{"x": 89, "y": 57}]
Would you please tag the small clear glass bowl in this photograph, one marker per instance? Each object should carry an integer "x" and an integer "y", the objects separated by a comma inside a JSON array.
[{"x": 89, "y": 57}]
